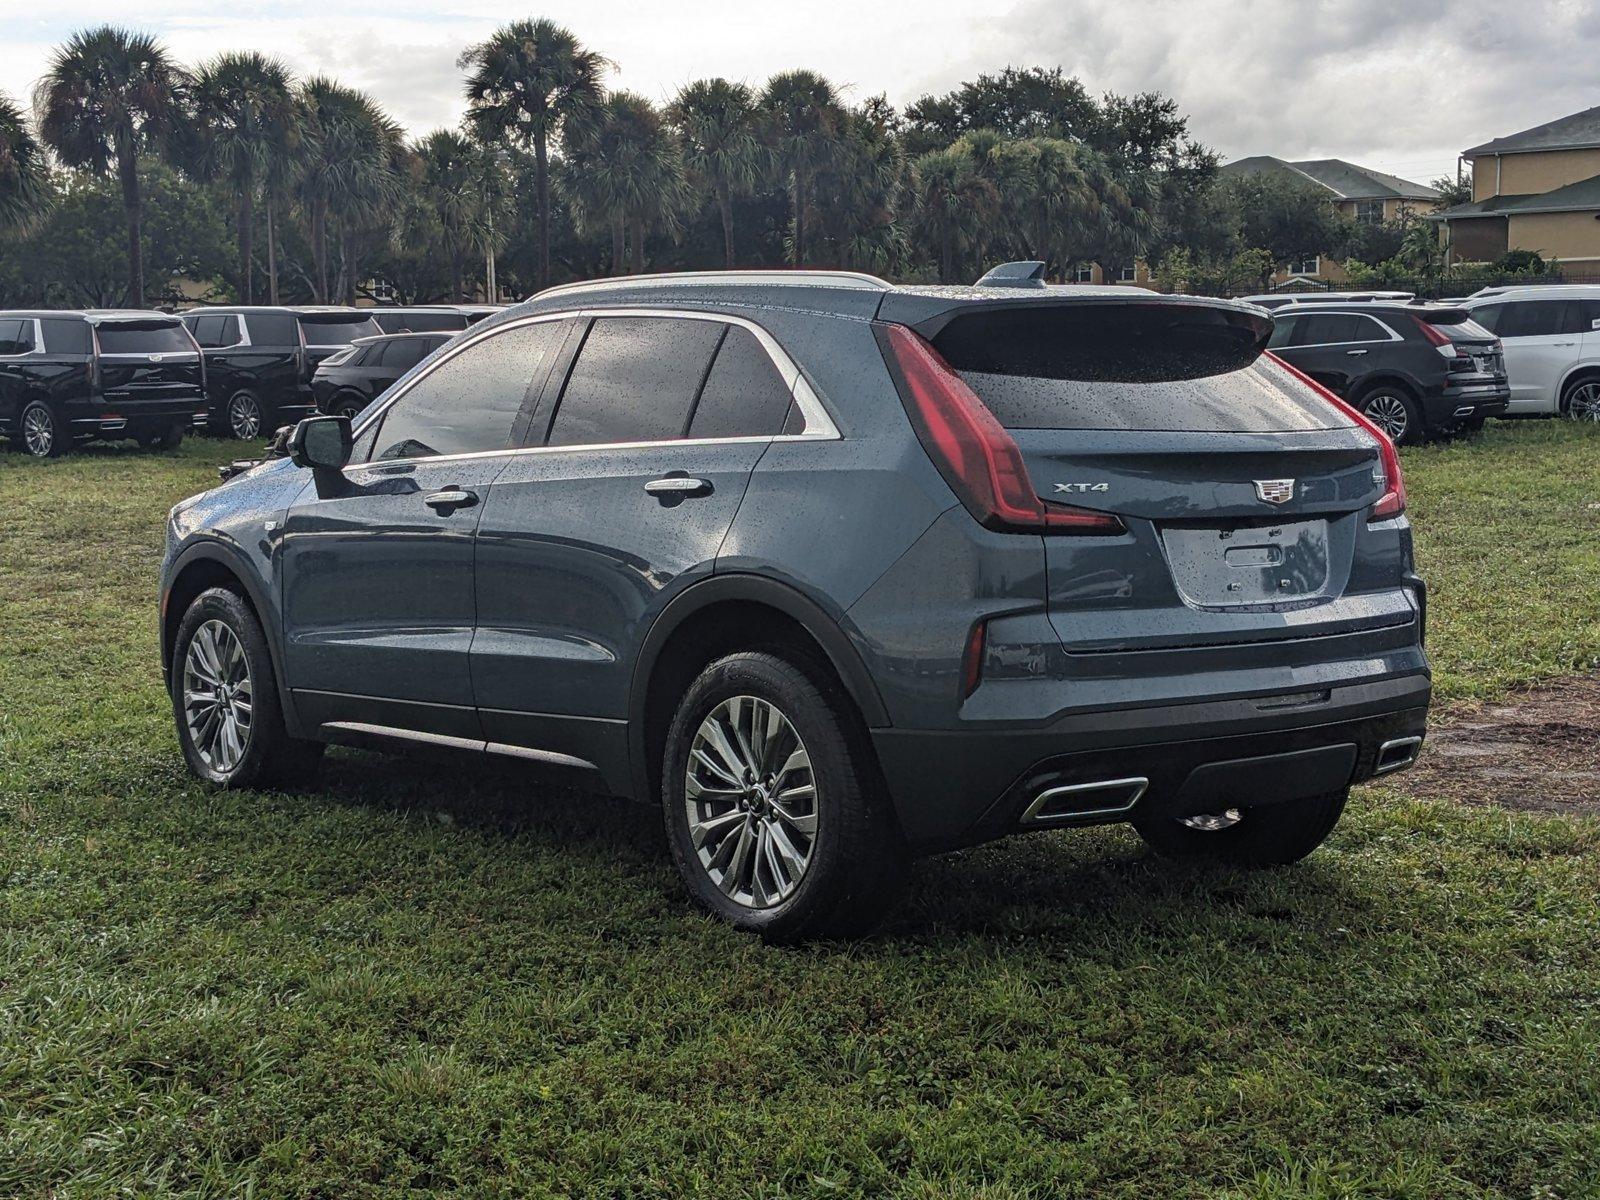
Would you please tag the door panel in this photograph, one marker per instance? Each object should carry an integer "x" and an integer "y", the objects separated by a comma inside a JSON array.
[
  {"x": 575, "y": 557},
  {"x": 378, "y": 594}
]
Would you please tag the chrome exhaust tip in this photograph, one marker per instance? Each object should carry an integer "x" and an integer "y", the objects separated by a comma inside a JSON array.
[
  {"x": 1396, "y": 755},
  {"x": 1084, "y": 801}
]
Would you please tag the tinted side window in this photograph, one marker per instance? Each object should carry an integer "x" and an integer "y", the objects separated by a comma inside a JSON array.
[
  {"x": 635, "y": 380},
  {"x": 1283, "y": 331},
  {"x": 230, "y": 335},
  {"x": 1538, "y": 318},
  {"x": 273, "y": 329},
  {"x": 16, "y": 337},
  {"x": 469, "y": 402},
  {"x": 744, "y": 395},
  {"x": 401, "y": 355},
  {"x": 207, "y": 330},
  {"x": 1324, "y": 329},
  {"x": 1489, "y": 316},
  {"x": 65, "y": 335}
]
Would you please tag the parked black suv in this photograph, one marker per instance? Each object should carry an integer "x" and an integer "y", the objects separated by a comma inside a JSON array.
[
  {"x": 834, "y": 572},
  {"x": 350, "y": 380},
  {"x": 259, "y": 361},
  {"x": 1417, "y": 371},
  {"x": 438, "y": 318},
  {"x": 69, "y": 376}
]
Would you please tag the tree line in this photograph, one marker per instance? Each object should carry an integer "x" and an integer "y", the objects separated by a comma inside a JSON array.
[{"x": 135, "y": 168}]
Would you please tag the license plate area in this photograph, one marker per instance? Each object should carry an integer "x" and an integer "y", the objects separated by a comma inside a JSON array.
[{"x": 1248, "y": 564}]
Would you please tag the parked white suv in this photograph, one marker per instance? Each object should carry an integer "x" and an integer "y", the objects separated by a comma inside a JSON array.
[{"x": 1552, "y": 347}]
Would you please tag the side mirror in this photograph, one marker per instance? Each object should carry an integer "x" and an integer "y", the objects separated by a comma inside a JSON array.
[{"x": 321, "y": 443}]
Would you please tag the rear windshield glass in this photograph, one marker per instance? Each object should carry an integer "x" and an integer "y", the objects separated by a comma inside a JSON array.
[
  {"x": 149, "y": 338},
  {"x": 1142, "y": 367},
  {"x": 337, "y": 331},
  {"x": 1466, "y": 331},
  {"x": 419, "y": 322}
]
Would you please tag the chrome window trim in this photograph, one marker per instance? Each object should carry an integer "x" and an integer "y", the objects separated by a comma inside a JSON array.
[
  {"x": 38, "y": 340},
  {"x": 802, "y": 278},
  {"x": 819, "y": 424},
  {"x": 1378, "y": 321},
  {"x": 199, "y": 314}
]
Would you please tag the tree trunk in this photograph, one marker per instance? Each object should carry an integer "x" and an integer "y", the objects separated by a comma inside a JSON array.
[
  {"x": 725, "y": 205},
  {"x": 133, "y": 206},
  {"x": 799, "y": 218},
  {"x": 638, "y": 245},
  {"x": 319, "y": 247},
  {"x": 619, "y": 248},
  {"x": 541, "y": 163},
  {"x": 347, "y": 250},
  {"x": 457, "y": 270},
  {"x": 247, "y": 221},
  {"x": 272, "y": 253}
]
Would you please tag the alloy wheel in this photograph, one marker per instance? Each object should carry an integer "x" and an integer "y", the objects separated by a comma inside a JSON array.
[
  {"x": 38, "y": 432},
  {"x": 218, "y": 700},
  {"x": 1584, "y": 402},
  {"x": 1388, "y": 412},
  {"x": 1213, "y": 822},
  {"x": 244, "y": 417},
  {"x": 751, "y": 798}
]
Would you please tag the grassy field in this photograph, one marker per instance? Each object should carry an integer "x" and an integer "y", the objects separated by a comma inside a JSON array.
[{"x": 448, "y": 980}]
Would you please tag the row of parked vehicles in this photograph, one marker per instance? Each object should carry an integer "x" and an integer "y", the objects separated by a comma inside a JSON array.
[
  {"x": 72, "y": 376},
  {"x": 1421, "y": 369}
]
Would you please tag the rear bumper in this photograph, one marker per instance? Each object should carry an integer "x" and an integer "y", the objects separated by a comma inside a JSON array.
[
  {"x": 1467, "y": 401},
  {"x": 959, "y": 788}
]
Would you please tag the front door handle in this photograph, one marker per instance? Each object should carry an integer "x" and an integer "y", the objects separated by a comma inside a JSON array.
[
  {"x": 1353, "y": 352},
  {"x": 450, "y": 499},
  {"x": 678, "y": 485}
]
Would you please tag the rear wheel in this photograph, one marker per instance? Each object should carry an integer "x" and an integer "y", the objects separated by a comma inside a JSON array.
[
  {"x": 348, "y": 407},
  {"x": 1393, "y": 409},
  {"x": 41, "y": 432},
  {"x": 776, "y": 817},
  {"x": 225, "y": 698},
  {"x": 244, "y": 416},
  {"x": 1273, "y": 835},
  {"x": 1581, "y": 401}
]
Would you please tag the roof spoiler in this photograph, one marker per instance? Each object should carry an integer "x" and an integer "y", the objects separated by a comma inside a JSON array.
[{"x": 1015, "y": 275}]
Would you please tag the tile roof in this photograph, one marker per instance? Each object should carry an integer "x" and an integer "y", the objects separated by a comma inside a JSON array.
[
  {"x": 1581, "y": 196},
  {"x": 1346, "y": 180}
]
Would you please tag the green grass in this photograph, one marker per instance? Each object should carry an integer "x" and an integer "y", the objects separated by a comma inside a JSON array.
[{"x": 429, "y": 980}]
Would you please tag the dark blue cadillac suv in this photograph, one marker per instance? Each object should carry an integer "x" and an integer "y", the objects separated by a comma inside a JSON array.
[{"x": 833, "y": 571}]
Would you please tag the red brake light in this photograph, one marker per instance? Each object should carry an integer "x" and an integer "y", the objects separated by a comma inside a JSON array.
[
  {"x": 1393, "y": 501},
  {"x": 977, "y": 457}
]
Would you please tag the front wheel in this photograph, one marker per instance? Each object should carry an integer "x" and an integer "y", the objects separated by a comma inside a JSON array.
[
  {"x": 348, "y": 409},
  {"x": 1582, "y": 400},
  {"x": 225, "y": 698},
  {"x": 1270, "y": 836},
  {"x": 1395, "y": 412},
  {"x": 774, "y": 811},
  {"x": 245, "y": 418}
]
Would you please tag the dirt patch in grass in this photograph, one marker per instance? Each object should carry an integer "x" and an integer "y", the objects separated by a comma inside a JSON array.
[{"x": 1538, "y": 750}]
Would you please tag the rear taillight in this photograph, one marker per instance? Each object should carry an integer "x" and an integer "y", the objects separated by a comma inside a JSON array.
[
  {"x": 1393, "y": 501},
  {"x": 1440, "y": 342},
  {"x": 977, "y": 457}
]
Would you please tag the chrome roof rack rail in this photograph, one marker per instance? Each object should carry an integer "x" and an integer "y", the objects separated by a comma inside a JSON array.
[{"x": 799, "y": 278}]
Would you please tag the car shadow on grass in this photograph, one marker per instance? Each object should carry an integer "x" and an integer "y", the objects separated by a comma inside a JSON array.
[{"x": 1064, "y": 885}]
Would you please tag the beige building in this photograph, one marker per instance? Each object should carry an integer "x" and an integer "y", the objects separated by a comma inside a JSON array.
[
  {"x": 1536, "y": 190},
  {"x": 1360, "y": 193}
]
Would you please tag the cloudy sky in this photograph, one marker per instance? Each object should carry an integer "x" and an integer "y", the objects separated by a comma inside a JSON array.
[{"x": 1398, "y": 85}]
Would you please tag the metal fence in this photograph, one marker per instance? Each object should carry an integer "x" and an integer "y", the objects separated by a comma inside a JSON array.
[{"x": 1450, "y": 283}]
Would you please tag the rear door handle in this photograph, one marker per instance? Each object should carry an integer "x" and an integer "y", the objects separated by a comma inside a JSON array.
[
  {"x": 1355, "y": 351},
  {"x": 678, "y": 485},
  {"x": 450, "y": 499}
]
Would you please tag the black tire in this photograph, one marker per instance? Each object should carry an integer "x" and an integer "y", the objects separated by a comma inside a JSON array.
[
  {"x": 41, "y": 432},
  {"x": 244, "y": 418},
  {"x": 857, "y": 857},
  {"x": 348, "y": 407},
  {"x": 1271, "y": 836},
  {"x": 270, "y": 755},
  {"x": 1472, "y": 424},
  {"x": 1394, "y": 410},
  {"x": 169, "y": 438},
  {"x": 1580, "y": 399}
]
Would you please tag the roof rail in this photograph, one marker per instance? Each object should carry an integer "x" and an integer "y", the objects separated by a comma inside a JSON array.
[
  {"x": 801, "y": 278},
  {"x": 1028, "y": 274}
]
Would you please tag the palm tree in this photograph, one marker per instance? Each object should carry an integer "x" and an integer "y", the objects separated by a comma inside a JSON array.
[
  {"x": 863, "y": 182},
  {"x": 464, "y": 187},
  {"x": 956, "y": 204},
  {"x": 528, "y": 82},
  {"x": 626, "y": 173},
  {"x": 804, "y": 118},
  {"x": 717, "y": 123},
  {"x": 24, "y": 174},
  {"x": 109, "y": 95},
  {"x": 245, "y": 112},
  {"x": 347, "y": 171}
]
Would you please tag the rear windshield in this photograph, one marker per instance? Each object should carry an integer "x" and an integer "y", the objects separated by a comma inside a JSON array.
[
  {"x": 1465, "y": 331},
  {"x": 1150, "y": 367},
  {"x": 144, "y": 338},
  {"x": 420, "y": 322},
  {"x": 337, "y": 330}
]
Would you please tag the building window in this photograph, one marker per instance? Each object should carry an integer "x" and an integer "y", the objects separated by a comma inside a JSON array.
[
  {"x": 1306, "y": 266},
  {"x": 1083, "y": 273},
  {"x": 1128, "y": 274},
  {"x": 1369, "y": 212}
]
